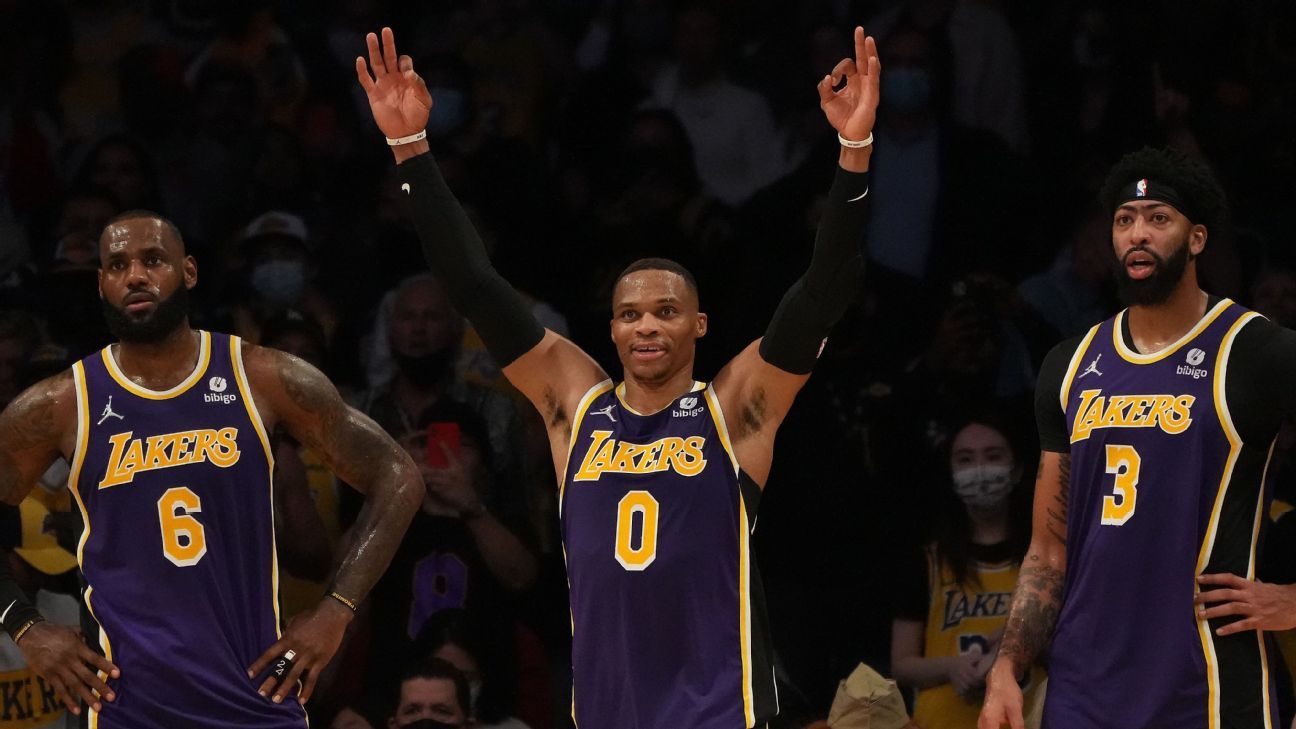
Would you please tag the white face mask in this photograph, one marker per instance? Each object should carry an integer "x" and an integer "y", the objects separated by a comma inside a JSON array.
[{"x": 983, "y": 484}]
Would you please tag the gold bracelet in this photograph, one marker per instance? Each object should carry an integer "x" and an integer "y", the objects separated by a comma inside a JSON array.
[
  {"x": 26, "y": 627},
  {"x": 343, "y": 600}
]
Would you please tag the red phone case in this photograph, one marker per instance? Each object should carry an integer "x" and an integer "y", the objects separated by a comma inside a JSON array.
[{"x": 438, "y": 433}]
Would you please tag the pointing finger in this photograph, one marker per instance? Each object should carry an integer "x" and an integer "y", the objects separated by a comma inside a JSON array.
[{"x": 861, "y": 48}]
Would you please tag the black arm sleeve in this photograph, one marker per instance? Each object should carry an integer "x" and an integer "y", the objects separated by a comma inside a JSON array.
[
  {"x": 15, "y": 608},
  {"x": 818, "y": 299},
  {"x": 458, "y": 259},
  {"x": 1049, "y": 417},
  {"x": 1261, "y": 384}
]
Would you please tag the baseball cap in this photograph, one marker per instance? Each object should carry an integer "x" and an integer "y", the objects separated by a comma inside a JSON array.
[
  {"x": 39, "y": 548},
  {"x": 277, "y": 223}
]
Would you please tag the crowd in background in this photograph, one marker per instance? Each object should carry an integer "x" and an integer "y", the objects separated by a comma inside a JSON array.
[{"x": 584, "y": 134}]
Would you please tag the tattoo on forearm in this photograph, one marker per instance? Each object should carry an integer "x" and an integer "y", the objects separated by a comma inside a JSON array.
[
  {"x": 361, "y": 454},
  {"x": 31, "y": 423},
  {"x": 1057, "y": 511},
  {"x": 1035, "y": 607}
]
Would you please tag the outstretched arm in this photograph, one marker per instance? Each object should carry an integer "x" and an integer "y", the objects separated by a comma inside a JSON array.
[
  {"x": 551, "y": 371},
  {"x": 1037, "y": 600},
  {"x": 758, "y": 386},
  {"x": 291, "y": 393}
]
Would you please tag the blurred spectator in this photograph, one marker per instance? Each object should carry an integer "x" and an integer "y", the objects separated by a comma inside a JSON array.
[
  {"x": 941, "y": 190},
  {"x": 1075, "y": 291},
  {"x": 953, "y": 604},
  {"x": 432, "y": 694},
  {"x": 987, "y": 89},
  {"x": 465, "y": 547},
  {"x": 122, "y": 166},
  {"x": 739, "y": 150},
  {"x": 81, "y": 218},
  {"x": 490, "y": 664},
  {"x": 1274, "y": 295},
  {"x": 19, "y": 336},
  {"x": 281, "y": 266}
]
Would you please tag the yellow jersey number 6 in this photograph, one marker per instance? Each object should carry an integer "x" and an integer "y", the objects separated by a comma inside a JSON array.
[
  {"x": 1124, "y": 463},
  {"x": 636, "y": 559},
  {"x": 183, "y": 539}
]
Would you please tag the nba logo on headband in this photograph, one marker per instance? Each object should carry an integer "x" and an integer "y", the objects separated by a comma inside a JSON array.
[{"x": 1140, "y": 189}]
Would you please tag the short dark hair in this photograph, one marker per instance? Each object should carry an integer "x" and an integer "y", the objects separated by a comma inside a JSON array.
[
  {"x": 141, "y": 213},
  {"x": 1191, "y": 178},
  {"x": 661, "y": 264},
  {"x": 432, "y": 668}
]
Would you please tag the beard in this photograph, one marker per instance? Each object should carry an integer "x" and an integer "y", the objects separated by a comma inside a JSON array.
[
  {"x": 1154, "y": 289},
  {"x": 168, "y": 315}
]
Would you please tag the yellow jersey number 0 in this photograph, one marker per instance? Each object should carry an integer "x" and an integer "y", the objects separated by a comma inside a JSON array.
[{"x": 636, "y": 559}]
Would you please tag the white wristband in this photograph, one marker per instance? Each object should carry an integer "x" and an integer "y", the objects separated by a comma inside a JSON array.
[
  {"x": 848, "y": 143},
  {"x": 411, "y": 138}
]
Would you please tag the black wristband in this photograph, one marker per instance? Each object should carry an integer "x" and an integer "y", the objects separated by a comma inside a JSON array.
[{"x": 15, "y": 609}]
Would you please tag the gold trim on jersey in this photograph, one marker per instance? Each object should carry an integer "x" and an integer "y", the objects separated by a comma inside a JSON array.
[
  {"x": 590, "y": 395},
  {"x": 1129, "y": 355},
  {"x": 620, "y": 395},
  {"x": 1065, "y": 393},
  {"x": 74, "y": 478},
  {"x": 245, "y": 389},
  {"x": 204, "y": 356},
  {"x": 717, "y": 415},
  {"x": 1255, "y": 541},
  {"x": 1212, "y": 526},
  {"x": 744, "y": 609}
]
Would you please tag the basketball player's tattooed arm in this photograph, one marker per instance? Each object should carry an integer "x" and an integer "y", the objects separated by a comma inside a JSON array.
[
  {"x": 1037, "y": 600},
  {"x": 36, "y": 428},
  {"x": 294, "y": 395}
]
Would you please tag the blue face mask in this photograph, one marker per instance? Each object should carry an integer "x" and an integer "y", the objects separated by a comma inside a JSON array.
[
  {"x": 906, "y": 89},
  {"x": 448, "y": 111},
  {"x": 279, "y": 283}
]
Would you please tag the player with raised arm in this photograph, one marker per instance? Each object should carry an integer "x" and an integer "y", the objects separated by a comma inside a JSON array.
[{"x": 659, "y": 475}]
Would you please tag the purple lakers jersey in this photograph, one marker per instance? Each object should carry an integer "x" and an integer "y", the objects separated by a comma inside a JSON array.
[
  {"x": 1161, "y": 490},
  {"x": 178, "y": 551},
  {"x": 668, "y": 620}
]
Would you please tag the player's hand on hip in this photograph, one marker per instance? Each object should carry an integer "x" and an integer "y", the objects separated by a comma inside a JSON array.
[
  {"x": 852, "y": 109},
  {"x": 1003, "y": 699},
  {"x": 302, "y": 653},
  {"x": 60, "y": 655},
  {"x": 398, "y": 97},
  {"x": 1262, "y": 605}
]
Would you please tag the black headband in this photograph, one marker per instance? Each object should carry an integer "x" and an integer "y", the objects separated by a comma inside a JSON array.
[{"x": 1145, "y": 189}]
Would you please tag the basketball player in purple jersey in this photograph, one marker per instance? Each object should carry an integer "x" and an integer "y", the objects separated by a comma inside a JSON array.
[
  {"x": 167, "y": 434},
  {"x": 658, "y": 475},
  {"x": 1157, "y": 427}
]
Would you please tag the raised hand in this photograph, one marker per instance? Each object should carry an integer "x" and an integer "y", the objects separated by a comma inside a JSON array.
[
  {"x": 853, "y": 108},
  {"x": 398, "y": 97}
]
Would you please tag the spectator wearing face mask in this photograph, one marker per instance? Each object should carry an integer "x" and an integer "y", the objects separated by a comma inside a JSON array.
[
  {"x": 280, "y": 275},
  {"x": 952, "y": 606}
]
